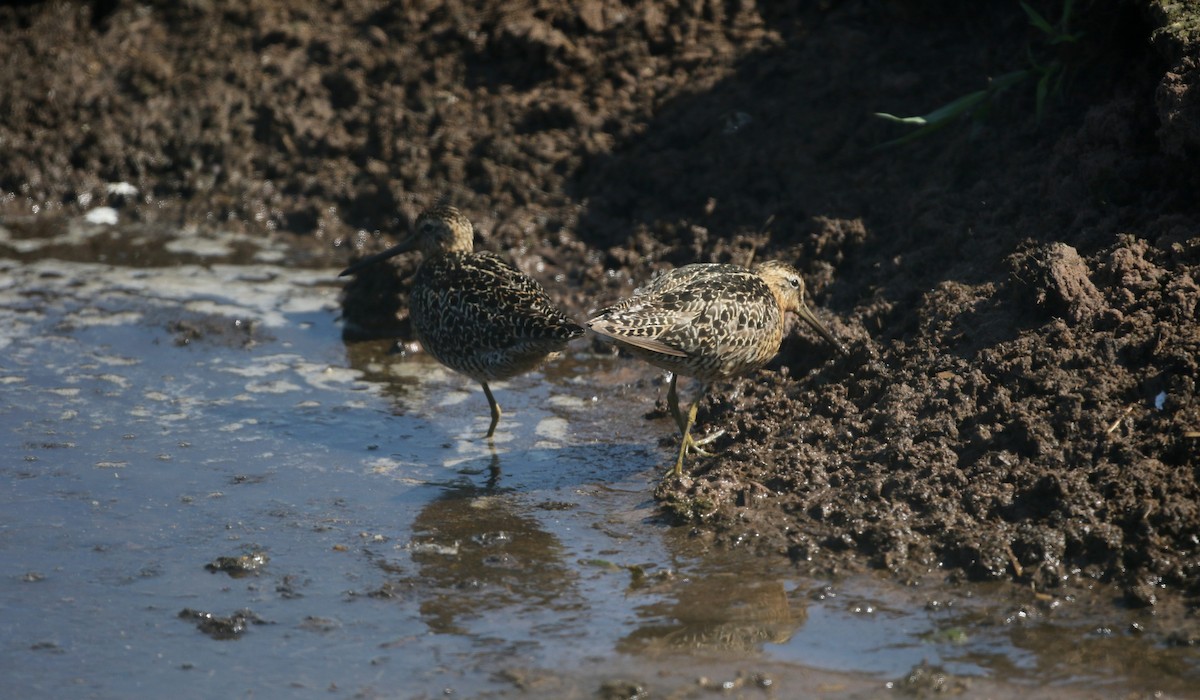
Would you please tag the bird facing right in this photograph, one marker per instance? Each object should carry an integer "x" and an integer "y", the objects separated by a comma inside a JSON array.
[{"x": 710, "y": 321}]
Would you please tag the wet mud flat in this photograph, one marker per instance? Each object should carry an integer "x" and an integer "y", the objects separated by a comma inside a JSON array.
[
  {"x": 1020, "y": 287},
  {"x": 1019, "y": 290},
  {"x": 212, "y": 494}
]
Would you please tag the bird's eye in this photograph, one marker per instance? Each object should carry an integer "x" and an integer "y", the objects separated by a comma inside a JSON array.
[{"x": 795, "y": 282}]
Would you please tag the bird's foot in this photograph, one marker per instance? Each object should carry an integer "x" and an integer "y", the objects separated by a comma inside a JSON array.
[{"x": 694, "y": 444}]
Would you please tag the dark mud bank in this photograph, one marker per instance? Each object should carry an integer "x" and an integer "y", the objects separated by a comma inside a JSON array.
[{"x": 1019, "y": 290}]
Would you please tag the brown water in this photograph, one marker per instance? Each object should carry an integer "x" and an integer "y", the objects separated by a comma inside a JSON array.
[{"x": 157, "y": 418}]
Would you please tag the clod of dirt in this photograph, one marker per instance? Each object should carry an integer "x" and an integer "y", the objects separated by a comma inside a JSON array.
[
  {"x": 238, "y": 567},
  {"x": 234, "y": 333},
  {"x": 1058, "y": 283},
  {"x": 222, "y": 627},
  {"x": 620, "y": 690},
  {"x": 926, "y": 681}
]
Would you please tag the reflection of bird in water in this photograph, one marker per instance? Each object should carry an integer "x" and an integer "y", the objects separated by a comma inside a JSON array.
[
  {"x": 722, "y": 612},
  {"x": 474, "y": 312},
  {"x": 709, "y": 321},
  {"x": 485, "y": 560}
]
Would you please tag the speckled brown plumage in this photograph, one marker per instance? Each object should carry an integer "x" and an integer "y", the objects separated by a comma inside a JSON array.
[
  {"x": 473, "y": 312},
  {"x": 479, "y": 316},
  {"x": 709, "y": 321}
]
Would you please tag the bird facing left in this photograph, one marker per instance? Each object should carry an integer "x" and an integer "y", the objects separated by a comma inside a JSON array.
[{"x": 473, "y": 312}]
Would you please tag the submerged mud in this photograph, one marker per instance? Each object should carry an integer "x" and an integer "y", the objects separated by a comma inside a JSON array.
[{"x": 1018, "y": 290}]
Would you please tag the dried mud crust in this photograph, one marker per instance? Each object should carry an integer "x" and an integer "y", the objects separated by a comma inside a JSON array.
[{"x": 1019, "y": 293}]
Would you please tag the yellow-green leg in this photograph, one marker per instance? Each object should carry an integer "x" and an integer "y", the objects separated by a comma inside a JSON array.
[
  {"x": 495, "y": 410},
  {"x": 686, "y": 441}
]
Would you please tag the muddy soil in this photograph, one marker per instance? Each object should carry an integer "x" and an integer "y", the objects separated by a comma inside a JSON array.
[{"x": 1018, "y": 289}]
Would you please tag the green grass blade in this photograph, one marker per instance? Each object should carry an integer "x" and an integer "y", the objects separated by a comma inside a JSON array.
[
  {"x": 1043, "y": 87},
  {"x": 957, "y": 107},
  {"x": 940, "y": 115},
  {"x": 1067, "y": 38},
  {"x": 917, "y": 121},
  {"x": 911, "y": 136},
  {"x": 1065, "y": 20},
  {"x": 1037, "y": 20},
  {"x": 1009, "y": 79}
]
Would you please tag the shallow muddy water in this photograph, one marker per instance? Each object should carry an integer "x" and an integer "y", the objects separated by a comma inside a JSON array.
[{"x": 158, "y": 418}]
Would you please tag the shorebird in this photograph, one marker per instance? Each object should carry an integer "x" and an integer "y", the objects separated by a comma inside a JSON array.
[
  {"x": 709, "y": 321},
  {"x": 473, "y": 312}
]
